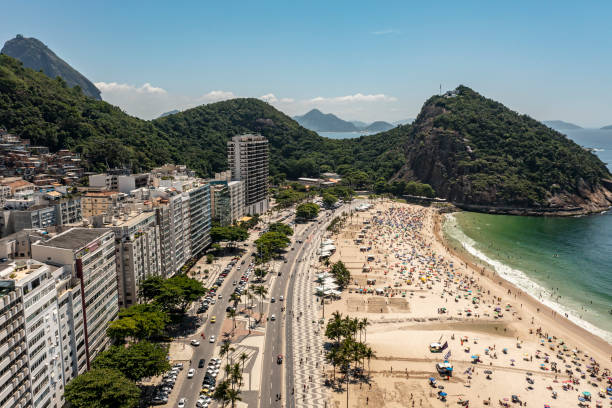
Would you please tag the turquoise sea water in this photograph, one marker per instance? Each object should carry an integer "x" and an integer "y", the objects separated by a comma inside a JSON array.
[{"x": 564, "y": 262}]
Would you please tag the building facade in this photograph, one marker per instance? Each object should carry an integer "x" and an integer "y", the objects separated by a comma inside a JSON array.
[
  {"x": 248, "y": 160},
  {"x": 34, "y": 283},
  {"x": 138, "y": 254},
  {"x": 89, "y": 255}
]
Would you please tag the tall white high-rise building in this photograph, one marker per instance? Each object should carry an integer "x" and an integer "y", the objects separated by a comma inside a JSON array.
[
  {"x": 89, "y": 255},
  {"x": 248, "y": 161},
  {"x": 33, "y": 360}
]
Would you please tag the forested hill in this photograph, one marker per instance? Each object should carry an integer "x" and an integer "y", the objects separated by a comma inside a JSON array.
[
  {"x": 36, "y": 55},
  {"x": 475, "y": 151},
  {"x": 50, "y": 113}
]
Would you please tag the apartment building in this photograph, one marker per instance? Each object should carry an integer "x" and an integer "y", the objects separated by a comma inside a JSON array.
[
  {"x": 248, "y": 160},
  {"x": 34, "y": 283},
  {"x": 138, "y": 253},
  {"x": 123, "y": 183},
  {"x": 174, "y": 222},
  {"x": 15, "y": 384},
  {"x": 98, "y": 203},
  {"x": 227, "y": 201},
  {"x": 89, "y": 255},
  {"x": 199, "y": 218}
]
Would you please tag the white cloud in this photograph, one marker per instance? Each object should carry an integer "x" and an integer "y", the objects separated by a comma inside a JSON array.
[
  {"x": 287, "y": 100},
  {"x": 216, "y": 96},
  {"x": 116, "y": 87},
  {"x": 358, "y": 97},
  {"x": 269, "y": 97}
]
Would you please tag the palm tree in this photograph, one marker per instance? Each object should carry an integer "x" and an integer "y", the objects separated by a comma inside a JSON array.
[
  {"x": 220, "y": 393},
  {"x": 243, "y": 357},
  {"x": 232, "y": 315},
  {"x": 261, "y": 291},
  {"x": 364, "y": 326},
  {"x": 233, "y": 396},
  {"x": 236, "y": 375},
  {"x": 225, "y": 350},
  {"x": 369, "y": 354}
]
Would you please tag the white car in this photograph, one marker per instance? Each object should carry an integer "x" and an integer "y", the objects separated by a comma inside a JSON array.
[
  {"x": 281, "y": 298},
  {"x": 181, "y": 403},
  {"x": 190, "y": 373},
  {"x": 211, "y": 339},
  {"x": 195, "y": 343},
  {"x": 273, "y": 317}
]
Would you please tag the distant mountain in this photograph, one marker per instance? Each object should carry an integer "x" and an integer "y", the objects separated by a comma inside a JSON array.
[
  {"x": 359, "y": 124},
  {"x": 560, "y": 125},
  {"x": 609, "y": 127},
  {"x": 321, "y": 122},
  {"x": 172, "y": 112},
  {"x": 403, "y": 122},
  {"x": 36, "y": 55},
  {"x": 378, "y": 126}
]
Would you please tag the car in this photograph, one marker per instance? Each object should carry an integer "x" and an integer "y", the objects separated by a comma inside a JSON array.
[
  {"x": 285, "y": 261},
  {"x": 273, "y": 317},
  {"x": 234, "y": 283},
  {"x": 213, "y": 301},
  {"x": 190, "y": 373},
  {"x": 242, "y": 262},
  {"x": 195, "y": 343},
  {"x": 178, "y": 365},
  {"x": 272, "y": 300},
  {"x": 181, "y": 403},
  {"x": 279, "y": 359},
  {"x": 281, "y": 298},
  {"x": 220, "y": 296},
  {"x": 211, "y": 339},
  {"x": 230, "y": 309},
  {"x": 201, "y": 363},
  {"x": 213, "y": 319},
  {"x": 238, "y": 267}
]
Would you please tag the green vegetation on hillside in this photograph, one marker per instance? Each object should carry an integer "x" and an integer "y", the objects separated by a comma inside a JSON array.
[
  {"x": 475, "y": 150},
  {"x": 49, "y": 113}
]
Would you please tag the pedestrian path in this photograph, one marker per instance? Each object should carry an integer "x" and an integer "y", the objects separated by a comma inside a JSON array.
[{"x": 308, "y": 360}]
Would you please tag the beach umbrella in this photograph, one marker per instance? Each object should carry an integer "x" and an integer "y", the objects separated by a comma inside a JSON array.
[
  {"x": 586, "y": 393},
  {"x": 442, "y": 394},
  {"x": 432, "y": 379},
  {"x": 581, "y": 399}
]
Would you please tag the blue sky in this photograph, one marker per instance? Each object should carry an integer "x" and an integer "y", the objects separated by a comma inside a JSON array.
[{"x": 361, "y": 60}]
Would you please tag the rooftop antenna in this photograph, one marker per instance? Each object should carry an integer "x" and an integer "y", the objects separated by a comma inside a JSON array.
[{"x": 440, "y": 89}]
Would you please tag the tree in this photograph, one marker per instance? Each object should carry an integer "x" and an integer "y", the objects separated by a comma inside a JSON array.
[
  {"x": 102, "y": 388},
  {"x": 270, "y": 243},
  {"x": 150, "y": 288},
  {"x": 329, "y": 200},
  {"x": 176, "y": 293},
  {"x": 231, "y": 313},
  {"x": 261, "y": 291},
  {"x": 281, "y": 228},
  {"x": 260, "y": 274},
  {"x": 210, "y": 258},
  {"x": 225, "y": 350},
  {"x": 307, "y": 211},
  {"x": 142, "y": 321},
  {"x": 135, "y": 362},
  {"x": 341, "y": 274}
]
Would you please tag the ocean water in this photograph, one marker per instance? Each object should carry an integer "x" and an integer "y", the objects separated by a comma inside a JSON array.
[
  {"x": 564, "y": 262},
  {"x": 343, "y": 135}
]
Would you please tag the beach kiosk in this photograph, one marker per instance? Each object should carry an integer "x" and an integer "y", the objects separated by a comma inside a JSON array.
[{"x": 445, "y": 369}]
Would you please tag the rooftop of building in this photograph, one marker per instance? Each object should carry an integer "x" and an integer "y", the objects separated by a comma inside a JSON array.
[
  {"x": 75, "y": 238},
  {"x": 19, "y": 269},
  {"x": 249, "y": 137}
]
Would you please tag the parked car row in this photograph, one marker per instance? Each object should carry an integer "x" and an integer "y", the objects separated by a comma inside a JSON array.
[{"x": 162, "y": 392}]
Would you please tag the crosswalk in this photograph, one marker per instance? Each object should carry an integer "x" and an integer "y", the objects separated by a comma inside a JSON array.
[{"x": 308, "y": 360}]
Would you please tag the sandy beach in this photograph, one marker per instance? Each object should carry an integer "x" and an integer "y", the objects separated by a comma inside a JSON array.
[{"x": 415, "y": 290}]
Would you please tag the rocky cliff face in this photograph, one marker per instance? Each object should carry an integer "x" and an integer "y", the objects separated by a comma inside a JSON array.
[
  {"x": 482, "y": 156},
  {"x": 36, "y": 55}
]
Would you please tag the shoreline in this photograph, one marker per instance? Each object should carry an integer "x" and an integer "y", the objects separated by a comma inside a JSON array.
[{"x": 548, "y": 316}]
